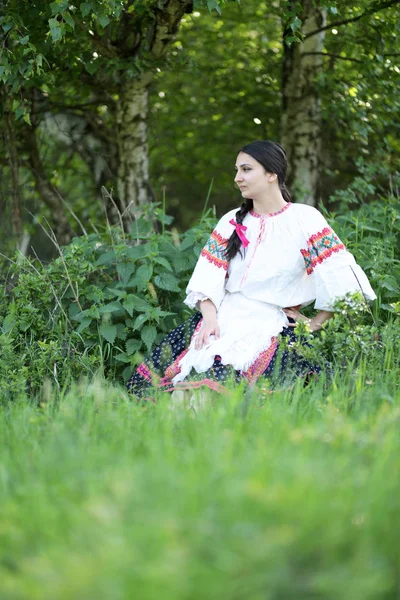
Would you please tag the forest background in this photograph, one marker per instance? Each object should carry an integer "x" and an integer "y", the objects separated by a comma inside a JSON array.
[{"x": 145, "y": 100}]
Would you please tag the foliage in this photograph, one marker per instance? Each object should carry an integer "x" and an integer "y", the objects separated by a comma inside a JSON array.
[
  {"x": 372, "y": 234},
  {"x": 348, "y": 339},
  {"x": 101, "y": 304},
  {"x": 357, "y": 91},
  {"x": 62, "y": 65},
  {"x": 240, "y": 102}
]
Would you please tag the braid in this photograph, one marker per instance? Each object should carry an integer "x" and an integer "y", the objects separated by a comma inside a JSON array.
[
  {"x": 285, "y": 192},
  {"x": 234, "y": 242}
]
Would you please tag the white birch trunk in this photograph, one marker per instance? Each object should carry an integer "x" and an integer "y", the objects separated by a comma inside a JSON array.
[
  {"x": 133, "y": 189},
  {"x": 301, "y": 115}
]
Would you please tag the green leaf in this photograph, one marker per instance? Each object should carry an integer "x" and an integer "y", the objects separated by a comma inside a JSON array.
[
  {"x": 103, "y": 21},
  {"x": 187, "y": 242},
  {"x": 148, "y": 335},
  {"x": 135, "y": 252},
  {"x": 108, "y": 258},
  {"x": 111, "y": 307},
  {"x": 108, "y": 332},
  {"x": 8, "y": 323},
  {"x": 140, "y": 320},
  {"x": 140, "y": 228},
  {"x": 168, "y": 282},
  {"x": 58, "y": 6},
  {"x": 85, "y": 7},
  {"x": 290, "y": 39},
  {"x": 213, "y": 5},
  {"x": 142, "y": 277},
  {"x": 68, "y": 19},
  {"x": 56, "y": 30},
  {"x": 84, "y": 324},
  {"x": 123, "y": 357},
  {"x": 182, "y": 262},
  {"x": 91, "y": 67},
  {"x": 119, "y": 293},
  {"x": 121, "y": 331},
  {"x": 390, "y": 284},
  {"x": 160, "y": 260},
  {"x": 125, "y": 270},
  {"x": 20, "y": 112},
  {"x": 134, "y": 303},
  {"x": 24, "y": 40},
  {"x": 296, "y": 24},
  {"x": 132, "y": 345},
  {"x": 24, "y": 325}
]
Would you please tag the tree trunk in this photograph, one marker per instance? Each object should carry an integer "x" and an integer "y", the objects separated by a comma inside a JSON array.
[
  {"x": 133, "y": 186},
  {"x": 301, "y": 115},
  {"x": 14, "y": 170},
  {"x": 133, "y": 189}
]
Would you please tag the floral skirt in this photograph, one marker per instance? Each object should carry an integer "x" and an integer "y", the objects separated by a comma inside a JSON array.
[{"x": 159, "y": 368}]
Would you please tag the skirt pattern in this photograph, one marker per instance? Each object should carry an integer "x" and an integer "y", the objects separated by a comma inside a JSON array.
[{"x": 162, "y": 365}]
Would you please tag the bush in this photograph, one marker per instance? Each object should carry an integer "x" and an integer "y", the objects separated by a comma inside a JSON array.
[{"x": 101, "y": 304}]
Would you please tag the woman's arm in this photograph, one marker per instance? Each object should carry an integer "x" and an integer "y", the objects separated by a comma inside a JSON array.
[
  {"x": 210, "y": 325},
  {"x": 315, "y": 323}
]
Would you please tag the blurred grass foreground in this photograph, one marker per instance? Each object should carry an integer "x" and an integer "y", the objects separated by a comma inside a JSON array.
[{"x": 256, "y": 495}]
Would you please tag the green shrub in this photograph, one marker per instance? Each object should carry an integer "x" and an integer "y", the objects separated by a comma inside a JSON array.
[
  {"x": 372, "y": 234},
  {"x": 102, "y": 304}
]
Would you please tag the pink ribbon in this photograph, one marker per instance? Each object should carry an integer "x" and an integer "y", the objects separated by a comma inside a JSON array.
[{"x": 240, "y": 229}]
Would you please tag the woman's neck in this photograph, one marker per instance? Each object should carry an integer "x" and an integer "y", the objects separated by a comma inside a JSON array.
[{"x": 271, "y": 203}]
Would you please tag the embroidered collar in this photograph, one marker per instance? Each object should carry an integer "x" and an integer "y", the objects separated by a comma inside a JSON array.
[{"x": 274, "y": 214}]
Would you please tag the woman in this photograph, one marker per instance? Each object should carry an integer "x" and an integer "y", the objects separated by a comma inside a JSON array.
[{"x": 260, "y": 264}]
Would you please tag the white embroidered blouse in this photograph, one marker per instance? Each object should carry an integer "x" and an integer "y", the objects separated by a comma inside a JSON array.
[{"x": 293, "y": 258}]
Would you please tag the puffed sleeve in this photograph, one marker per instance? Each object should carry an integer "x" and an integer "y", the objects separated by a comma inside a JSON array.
[
  {"x": 334, "y": 270},
  {"x": 210, "y": 273}
]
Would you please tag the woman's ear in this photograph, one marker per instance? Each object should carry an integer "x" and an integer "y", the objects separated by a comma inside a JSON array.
[{"x": 271, "y": 177}]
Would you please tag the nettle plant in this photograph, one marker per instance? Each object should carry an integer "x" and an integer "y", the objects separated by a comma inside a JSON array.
[
  {"x": 353, "y": 335},
  {"x": 103, "y": 302}
]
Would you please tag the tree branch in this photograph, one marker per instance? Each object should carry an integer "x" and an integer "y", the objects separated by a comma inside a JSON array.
[
  {"x": 168, "y": 18},
  {"x": 332, "y": 56},
  {"x": 357, "y": 60},
  {"x": 376, "y": 7}
]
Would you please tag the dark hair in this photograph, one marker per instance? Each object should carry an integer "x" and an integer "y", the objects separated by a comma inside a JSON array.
[{"x": 272, "y": 157}]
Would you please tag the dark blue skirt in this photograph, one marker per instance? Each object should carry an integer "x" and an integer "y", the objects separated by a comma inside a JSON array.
[{"x": 280, "y": 365}]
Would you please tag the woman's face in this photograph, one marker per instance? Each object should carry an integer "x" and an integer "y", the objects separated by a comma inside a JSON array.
[{"x": 251, "y": 177}]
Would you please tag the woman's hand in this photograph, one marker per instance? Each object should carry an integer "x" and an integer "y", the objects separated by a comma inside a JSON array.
[
  {"x": 314, "y": 324},
  {"x": 294, "y": 313},
  {"x": 210, "y": 327}
]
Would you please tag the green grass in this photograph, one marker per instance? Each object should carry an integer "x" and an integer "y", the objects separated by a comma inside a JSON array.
[{"x": 293, "y": 494}]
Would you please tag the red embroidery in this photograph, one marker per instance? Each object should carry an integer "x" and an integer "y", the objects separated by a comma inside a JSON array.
[
  {"x": 321, "y": 246},
  {"x": 215, "y": 250},
  {"x": 144, "y": 371},
  {"x": 273, "y": 214},
  {"x": 174, "y": 368},
  {"x": 261, "y": 363}
]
